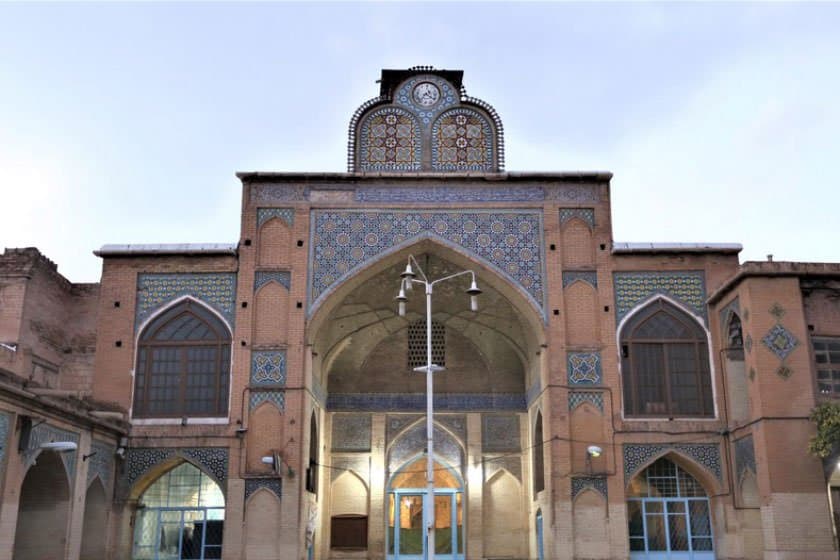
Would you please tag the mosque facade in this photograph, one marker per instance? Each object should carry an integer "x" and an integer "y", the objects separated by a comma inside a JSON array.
[{"x": 260, "y": 399}]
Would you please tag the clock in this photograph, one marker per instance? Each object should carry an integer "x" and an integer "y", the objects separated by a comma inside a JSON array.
[{"x": 426, "y": 94}]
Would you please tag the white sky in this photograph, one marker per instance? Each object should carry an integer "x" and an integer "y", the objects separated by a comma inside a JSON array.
[{"x": 125, "y": 123}]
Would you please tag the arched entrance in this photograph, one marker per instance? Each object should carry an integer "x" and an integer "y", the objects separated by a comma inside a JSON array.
[
  {"x": 95, "y": 522},
  {"x": 408, "y": 511},
  {"x": 44, "y": 504},
  {"x": 180, "y": 516},
  {"x": 668, "y": 515}
]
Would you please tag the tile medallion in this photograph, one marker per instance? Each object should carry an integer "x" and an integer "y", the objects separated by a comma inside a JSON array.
[
  {"x": 500, "y": 432},
  {"x": 586, "y": 215},
  {"x": 268, "y": 367},
  {"x": 260, "y": 396},
  {"x": 638, "y": 455},
  {"x": 633, "y": 288},
  {"x": 577, "y": 398},
  {"x": 780, "y": 341},
  {"x": 273, "y": 485},
  {"x": 581, "y": 483},
  {"x": 462, "y": 140},
  {"x": 351, "y": 432},
  {"x": 263, "y": 277},
  {"x": 509, "y": 241},
  {"x": 156, "y": 291},
  {"x": 572, "y": 276},
  {"x": 584, "y": 368},
  {"x": 777, "y": 311},
  {"x": 285, "y": 215}
]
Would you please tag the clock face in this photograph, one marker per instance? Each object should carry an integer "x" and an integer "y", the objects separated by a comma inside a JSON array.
[{"x": 426, "y": 94}]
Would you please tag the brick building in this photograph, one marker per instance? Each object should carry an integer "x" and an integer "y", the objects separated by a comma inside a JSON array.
[{"x": 256, "y": 400}]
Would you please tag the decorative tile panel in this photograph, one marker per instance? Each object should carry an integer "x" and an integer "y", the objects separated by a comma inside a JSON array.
[
  {"x": 413, "y": 443},
  {"x": 777, "y": 311},
  {"x": 780, "y": 341},
  {"x": 500, "y": 432},
  {"x": 268, "y": 367},
  {"x": 588, "y": 276},
  {"x": 351, "y": 432},
  {"x": 273, "y": 485},
  {"x": 748, "y": 343},
  {"x": 784, "y": 372},
  {"x": 44, "y": 433},
  {"x": 416, "y": 402},
  {"x": 449, "y": 97},
  {"x": 357, "y": 465},
  {"x": 509, "y": 241},
  {"x": 271, "y": 193},
  {"x": 733, "y": 306},
  {"x": 259, "y": 396},
  {"x": 5, "y": 422},
  {"x": 156, "y": 291},
  {"x": 263, "y": 277},
  {"x": 744, "y": 456},
  {"x": 462, "y": 140},
  {"x": 587, "y": 215},
  {"x": 511, "y": 463},
  {"x": 449, "y": 193},
  {"x": 584, "y": 368},
  {"x": 455, "y": 423},
  {"x": 396, "y": 423},
  {"x": 390, "y": 140},
  {"x": 140, "y": 460},
  {"x": 286, "y": 215},
  {"x": 633, "y": 288},
  {"x": 637, "y": 455},
  {"x": 101, "y": 462},
  {"x": 577, "y": 398},
  {"x": 572, "y": 193},
  {"x": 581, "y": 483}
]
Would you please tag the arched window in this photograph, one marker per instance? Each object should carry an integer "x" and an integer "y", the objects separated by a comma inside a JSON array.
[
  {"x": 183, "y": 365},
  {"x": 665, "y": 364},
  {"x": 539, "y": 456}
]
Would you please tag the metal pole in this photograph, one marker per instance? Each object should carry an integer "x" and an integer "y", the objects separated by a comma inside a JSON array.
[{"x": 430, "y": 461}]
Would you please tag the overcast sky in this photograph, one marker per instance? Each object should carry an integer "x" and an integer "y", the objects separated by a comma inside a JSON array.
[{"x": 125, "y": 123}]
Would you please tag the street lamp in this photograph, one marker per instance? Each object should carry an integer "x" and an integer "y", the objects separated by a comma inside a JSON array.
[{"x": 407, "y": 280}]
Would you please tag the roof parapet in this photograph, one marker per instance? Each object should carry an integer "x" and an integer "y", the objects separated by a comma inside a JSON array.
[
  {"x": 636, "y": 248},
  {"x": 115, "y": 250}
]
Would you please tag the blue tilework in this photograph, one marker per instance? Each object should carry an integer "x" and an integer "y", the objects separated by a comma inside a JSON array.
[
  {"x": 449, "y": 193},
  {"x": 780, "y": 341},
  {"x": 588, "y": 276},
  {"x": 744, "y": 456},
  {"x": 584, "y": 368},
  {"x": 581, "y": 483},
  {"x": 585, "y": 214},
  {"x": 509, "y": 241},
  {"x": 5, "y": 420},
  {"x": 263, "y": 277},
  {"x": 273, "y": 485},
  {"x": 637, "y": 455},
  {"x": 274, "y": 193},
  {"x": 44, "y": 433},
  {"x": 156, "y": 291},
  {"x": 633, "y": 288},
  {"x": 577, "y": 398},
  {"x": 268, "y": 367},
  {"x": 400, "y": 140},
  {"x": 462, "y": 140},
  {"x": 351, "y": 432},
  {"x": 500, "y": 432},
  {"x": 259, "y": 396},
  {"x": 411, "y": 402},
  {"x": 101, "y": 462},
  {"x": 286, "y": 215},
  {"x": 449, "y": 97}
]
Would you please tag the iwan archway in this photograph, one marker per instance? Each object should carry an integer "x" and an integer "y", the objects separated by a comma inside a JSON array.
[{"x": 373, "y": 408}]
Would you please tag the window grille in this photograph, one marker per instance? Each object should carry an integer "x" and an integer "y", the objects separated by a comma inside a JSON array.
[
  {"x": 417, "y": 344},
  {"x": 827, "y": 358}
]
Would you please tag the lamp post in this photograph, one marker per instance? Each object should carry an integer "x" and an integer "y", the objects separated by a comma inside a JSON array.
[{"x": 407, "y": 280}]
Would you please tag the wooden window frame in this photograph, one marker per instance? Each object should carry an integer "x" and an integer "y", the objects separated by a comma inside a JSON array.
[{"x": 828, "y": 366}]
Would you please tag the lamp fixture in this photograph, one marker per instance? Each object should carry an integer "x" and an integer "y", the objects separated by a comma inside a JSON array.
[
  {"x": 594, "y": 451},
  {"x": 59, "y": 446}
]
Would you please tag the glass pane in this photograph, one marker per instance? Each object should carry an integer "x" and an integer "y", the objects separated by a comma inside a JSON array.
[
  {"x": 683, "y": 371},
  {"x": 649, "y": 372},
  {"x": 701, "y": 543},
  {"x": 656, "y": 532},
  {"x": 170, "y": 534},
  {"x": 460, "y": 520},
  {"x": 699, "y": 513},
  {"x": 676, "y": 507},
  {"x": 653, "y": 507},
  {"x": 411, "y": 524},
  {"x": 637, "y": 543},
  {"x": 443, "y": 524},
  {"x": 677, "y": 531},
  {"x": 145, "y": 534},
  {"x": 391, "y": 520},
  {"x": 634, "y": 519}
]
